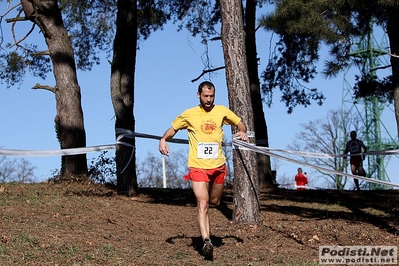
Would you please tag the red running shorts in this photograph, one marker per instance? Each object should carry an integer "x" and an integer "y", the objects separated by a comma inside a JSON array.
[{"x": 215, "y": 175}]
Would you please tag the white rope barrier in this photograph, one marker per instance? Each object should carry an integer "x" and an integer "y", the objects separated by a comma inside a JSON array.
[
  {"x": 238, "y": 143},
  {"x": 124, "y": 133},
  {"x": 62, "y": 152}
]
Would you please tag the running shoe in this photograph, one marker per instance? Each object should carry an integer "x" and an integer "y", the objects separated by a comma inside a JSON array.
[{"x": 207, "y": 249}]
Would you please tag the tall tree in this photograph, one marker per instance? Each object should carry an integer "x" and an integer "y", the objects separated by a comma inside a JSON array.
[
  {"x": 261, "y": 134},
  {"x": 246, "y": 175},
  {"x": 134, "y": 19},
  {"x": 89, "y": 28},
  {"x": 73, "y": 40},
  {"x": 304, "y": 25},
  {"x": 69, "y": 119},
  {"x": 122, "y": 92}
]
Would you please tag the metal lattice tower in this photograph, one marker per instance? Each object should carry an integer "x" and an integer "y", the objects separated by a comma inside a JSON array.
[{"x": 372, "y": 55}]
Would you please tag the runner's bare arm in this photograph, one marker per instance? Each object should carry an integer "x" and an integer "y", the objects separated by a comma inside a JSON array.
[{"x": 163, "y": 146}]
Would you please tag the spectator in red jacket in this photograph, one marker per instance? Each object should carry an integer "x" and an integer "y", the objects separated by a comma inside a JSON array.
[{"x": 301, "y": 180}]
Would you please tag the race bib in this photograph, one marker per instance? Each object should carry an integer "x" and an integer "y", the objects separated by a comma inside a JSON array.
[
  {"x": 354, "y": 146},
  {"x": 208, "y": 150}
]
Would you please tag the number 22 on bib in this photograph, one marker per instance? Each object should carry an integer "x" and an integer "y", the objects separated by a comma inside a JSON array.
[{"x": 208, "y": 150}]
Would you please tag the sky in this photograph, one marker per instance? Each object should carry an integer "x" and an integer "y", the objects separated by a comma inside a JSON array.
[{"x": 166, "y": 64}]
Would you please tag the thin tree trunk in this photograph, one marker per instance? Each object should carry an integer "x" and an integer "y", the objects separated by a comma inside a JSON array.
[
  {"x": 246, "y": 178},
  {"x": 261, "y": 135},
  {"x": 122, "y": 93},
  {"x": 69, "y": 119}
]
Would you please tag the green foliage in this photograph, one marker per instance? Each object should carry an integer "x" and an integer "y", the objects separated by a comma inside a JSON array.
[
  {"x": 15, "y": 65},
  {"x": 302, "y": 27},
  {"x": 13, "y": 68},
  {"x": 102, "y": 169},
  {"x": 370, "y": 87},
  {"x": 91, "y": 27},
  {"x": 151, "y": 16},
  {"x": 297, "y": 63}
]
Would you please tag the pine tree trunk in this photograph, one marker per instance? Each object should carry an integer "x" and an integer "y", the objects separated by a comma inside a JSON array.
[
  {"x": 122, "y": 93},
  {"x": 246, "y": 177},
  {"x": 69, "y": 119},
  {"x": 261, "y": 135}
]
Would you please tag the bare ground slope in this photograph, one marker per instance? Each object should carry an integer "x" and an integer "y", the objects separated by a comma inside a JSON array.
[{"x": 69, "y": 224}]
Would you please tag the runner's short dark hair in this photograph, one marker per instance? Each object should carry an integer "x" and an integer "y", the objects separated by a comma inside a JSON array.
[{"x": 207, "y": 84}]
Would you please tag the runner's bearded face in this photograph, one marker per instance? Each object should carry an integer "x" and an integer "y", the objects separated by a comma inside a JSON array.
[{"x": 207, "y": 98}]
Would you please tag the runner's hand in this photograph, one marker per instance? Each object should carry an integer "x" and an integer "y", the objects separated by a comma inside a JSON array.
[
  {"x": 242, "y": 136},
  {"x": 163, "y": 147}
]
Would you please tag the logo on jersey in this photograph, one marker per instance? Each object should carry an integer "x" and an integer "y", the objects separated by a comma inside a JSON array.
[{"x": 208, "y": 127}]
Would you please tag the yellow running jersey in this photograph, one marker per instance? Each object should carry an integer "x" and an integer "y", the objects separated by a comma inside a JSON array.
[{"x": 205, "y": 134}]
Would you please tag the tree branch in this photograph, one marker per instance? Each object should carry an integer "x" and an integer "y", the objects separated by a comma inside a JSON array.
[
  {"x": 382, "y": 67},
  {"x": 9, "y": 10},
  {"x": 16, "y": 43},
  {"x": 394, "y": 55},
  {"x": 9, "y": 20},
  {"x": 207, "y": 71},
  {"x": 42, "y": 53},
  {"x": 44, "y": 87}
]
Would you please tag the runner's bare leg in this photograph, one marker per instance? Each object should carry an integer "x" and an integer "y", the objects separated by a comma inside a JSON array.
[
  {"x": 201, "y": 193},
  {"x": 215, "y": 193}
]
